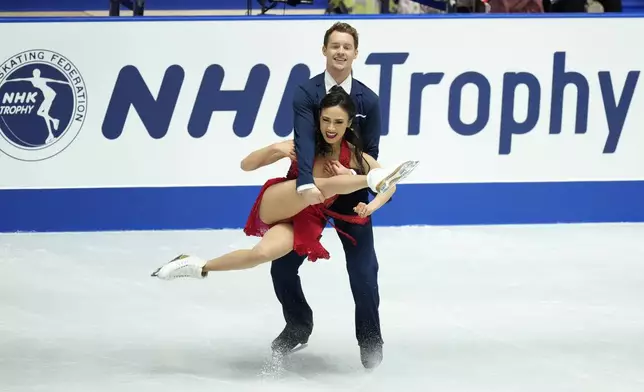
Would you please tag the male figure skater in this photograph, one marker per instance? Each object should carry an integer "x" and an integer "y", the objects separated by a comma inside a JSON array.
[{"x": 340, "y": 49}]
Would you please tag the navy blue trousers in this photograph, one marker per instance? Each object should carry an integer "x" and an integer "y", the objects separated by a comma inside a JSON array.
[{"x": 362, "y": 267}]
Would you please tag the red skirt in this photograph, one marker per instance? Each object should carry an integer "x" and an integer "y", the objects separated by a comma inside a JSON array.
[{"x": 308, "y": 224}]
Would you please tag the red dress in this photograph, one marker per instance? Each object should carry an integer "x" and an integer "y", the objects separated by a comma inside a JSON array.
[{"x": 309, "y": 223}]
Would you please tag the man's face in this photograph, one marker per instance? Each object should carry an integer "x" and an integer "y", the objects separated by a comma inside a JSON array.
[{"x": 340, "y": 51}]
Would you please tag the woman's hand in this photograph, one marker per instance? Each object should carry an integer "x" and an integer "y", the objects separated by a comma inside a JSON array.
[
  {"x": 335, "y": 168},
  {"x": 364, "y": 210}
]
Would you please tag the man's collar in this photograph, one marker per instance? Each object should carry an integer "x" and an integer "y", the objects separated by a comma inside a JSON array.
[{"x": 330, "y": 82}]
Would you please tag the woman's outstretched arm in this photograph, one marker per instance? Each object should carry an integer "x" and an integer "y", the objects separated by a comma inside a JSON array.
[
  {"x": 380, "y": 199},
  {"x": 362, "y": 209}
]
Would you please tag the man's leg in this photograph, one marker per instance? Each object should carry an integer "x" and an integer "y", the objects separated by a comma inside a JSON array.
[
  {"x": 362, "y": 266},
  {"x": 297, "y": 312}
]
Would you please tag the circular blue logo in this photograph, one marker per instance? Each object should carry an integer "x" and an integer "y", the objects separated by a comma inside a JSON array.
[{"x": 43, "y": 104}]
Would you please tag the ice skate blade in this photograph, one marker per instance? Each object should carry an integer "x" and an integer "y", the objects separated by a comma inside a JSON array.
[
  {"x": 398, "y": 175},
  {"x": 300, "y": 346}
]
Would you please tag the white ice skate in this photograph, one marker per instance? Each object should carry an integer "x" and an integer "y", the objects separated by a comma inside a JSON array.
[
  {"x": 381, "y": 179},
  {"x": 182, "y": 266}
]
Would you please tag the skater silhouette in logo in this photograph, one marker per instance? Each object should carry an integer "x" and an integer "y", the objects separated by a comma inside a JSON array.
[{"x": 49, "y": 95}]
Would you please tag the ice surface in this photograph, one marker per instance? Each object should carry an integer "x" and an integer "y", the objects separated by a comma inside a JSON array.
[{"x": 514, "y": 308}]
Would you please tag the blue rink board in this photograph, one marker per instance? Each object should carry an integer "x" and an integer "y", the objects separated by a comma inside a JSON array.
[
  {"x": 227, "y": 207},
  {"x": 331, "y": 17}
]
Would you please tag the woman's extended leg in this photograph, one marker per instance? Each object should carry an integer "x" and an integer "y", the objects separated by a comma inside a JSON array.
[
  {"x": 341, "y": 185},
  {"x": 281, "y": 201},
  {"x": 277, "y": 242}
]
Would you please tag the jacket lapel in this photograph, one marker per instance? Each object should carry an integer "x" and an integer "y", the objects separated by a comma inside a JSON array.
[
  {"x": 356, "y": 91},
  {"x": 320, "y": 90}
]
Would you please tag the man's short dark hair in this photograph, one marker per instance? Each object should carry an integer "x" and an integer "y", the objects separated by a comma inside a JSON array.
[{"x": 342, "y": 27}]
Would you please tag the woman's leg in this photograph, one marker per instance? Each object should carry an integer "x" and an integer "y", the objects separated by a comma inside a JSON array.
[
  {"x": 277, "y": 242},
  {"x": 341, "y": 185},
  {"x": 281, "y": 201}
]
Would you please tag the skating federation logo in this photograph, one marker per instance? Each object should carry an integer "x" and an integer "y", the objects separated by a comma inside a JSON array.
[{"x": 43, "y": 104}]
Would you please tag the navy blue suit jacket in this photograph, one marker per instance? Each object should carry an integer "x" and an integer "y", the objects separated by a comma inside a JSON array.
[{"x": 306, "y": 103}]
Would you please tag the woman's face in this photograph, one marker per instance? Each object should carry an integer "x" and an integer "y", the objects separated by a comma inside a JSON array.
[{"x": 334, "y": 122}]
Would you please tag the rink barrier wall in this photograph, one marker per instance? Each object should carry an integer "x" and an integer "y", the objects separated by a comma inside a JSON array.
[
  {"x": 329, "y": 19},
  {"x": 185, "y": 208},
  {"x": 153, "y": 140}
]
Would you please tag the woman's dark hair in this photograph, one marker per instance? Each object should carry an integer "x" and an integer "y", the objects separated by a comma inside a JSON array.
[{"x": 338, "y": 97}]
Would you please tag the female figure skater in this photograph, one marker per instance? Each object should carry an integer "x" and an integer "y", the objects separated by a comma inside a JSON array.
[{"x": 281, "y": 216}]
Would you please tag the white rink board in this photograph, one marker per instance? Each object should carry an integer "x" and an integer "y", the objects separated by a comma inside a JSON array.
[{"x": 178, "y": 159}]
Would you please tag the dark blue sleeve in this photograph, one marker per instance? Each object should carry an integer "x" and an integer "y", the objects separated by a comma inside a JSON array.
[
  {"x": 371, "y": 130},
  {"x": 304, "y": 140}
]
